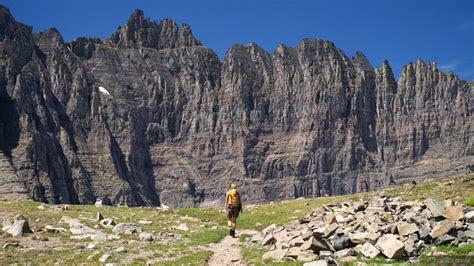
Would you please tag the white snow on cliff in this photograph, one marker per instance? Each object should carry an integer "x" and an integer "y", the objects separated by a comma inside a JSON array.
[{"x": 104, "y": 91}]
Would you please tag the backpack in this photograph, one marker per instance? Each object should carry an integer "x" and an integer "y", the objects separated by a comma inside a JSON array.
[{"x": 233, "y": 200}]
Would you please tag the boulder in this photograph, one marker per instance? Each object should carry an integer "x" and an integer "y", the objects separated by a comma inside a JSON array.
[
  {"x": 315, "y": 244},
  {"x": 391, "y": 246},
  {"x": 444, "y": 240},
  {"x": 305, "y": 256},
  {"x": 442, "y": 228},
  {"x": 19, "y": 227},
  {"x": 107, "y": 223},
  {"x": 454, "y": 213},
  {"x": 409, "y": 246},
  {"x": 344, "y": 253},
  {"x": 325, "y": 254},
  {"x": 81, "y": 230},
  {"x": 58, "y": 230},
  {"x": 183, "y": 227},
  {"x": 268, "y": 239},
  {"x": 99, "y": 217},
  {"x": 105, "y": 257},
  {"x": 341, "y": 242},
  {"x": 276, "y": 255},
  {"x": 330, "y": 230},
  {"x": 127, "y": 228},
  {"x": 72, "y": 222},
  {"x": 293, "y": 252},
  {"x": 361, "y": 238},
  {"x": 369, "y": 250},
  {"x": 146, "y": 237},
  {"x": 405, "y": 229},
  {"x": 436, "y": 208},
  {"x": 296, "y": 242},
  {"x": 469, "y": 217},
  {"x": 317, "y": 263},
  {"x": 424, "y": 232}
]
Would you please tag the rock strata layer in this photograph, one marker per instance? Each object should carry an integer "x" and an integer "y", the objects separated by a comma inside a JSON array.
[{"x": 151, "y": 116}]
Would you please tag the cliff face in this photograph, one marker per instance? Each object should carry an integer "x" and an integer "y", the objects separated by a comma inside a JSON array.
[{"x": 150, "y": 115}]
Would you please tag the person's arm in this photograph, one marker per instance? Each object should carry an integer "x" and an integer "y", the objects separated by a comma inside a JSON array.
[
  {"x": 225, "y": 204},
  {"x": 241, "y": 209}
]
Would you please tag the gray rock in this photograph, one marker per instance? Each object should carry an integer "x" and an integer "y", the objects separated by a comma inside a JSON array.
[
  {"x": 127, "y": 228},
  {"x": 105, "y": 257},
  {"x": 10, "y": 245},
  {"x": 107, "y": 223},
  {"x": 268, "y": 239},
  {"x": 425, "y": 232},
  {"x": 58, "y": 230},
  {"x": 436, "y": 208},
  {"x": 147, "y": 237},
  {"x": 315, "y": 244},
  {"x": 469, "y": 217},
  {"x": 19, "y": 227},
  {"x": 444, "y": 240},
  {"x": 341, "y": 242}
]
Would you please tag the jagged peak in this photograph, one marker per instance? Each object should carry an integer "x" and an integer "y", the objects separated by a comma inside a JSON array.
[
  {"x": 361, "y": 61},
  {"x": 385, "y": 74},
  {"x": 140, "y": 31},
  {"x": 50, "y": 37},
  {"x": 310, "y": 42}
]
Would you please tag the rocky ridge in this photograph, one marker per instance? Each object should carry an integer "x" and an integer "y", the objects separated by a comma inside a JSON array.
[
  {"x": 389, "y": 227},
  {"x": 151, "y": 116}
]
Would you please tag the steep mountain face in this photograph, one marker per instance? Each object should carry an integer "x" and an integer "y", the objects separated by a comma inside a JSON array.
[{"x": 150, "y": 115}]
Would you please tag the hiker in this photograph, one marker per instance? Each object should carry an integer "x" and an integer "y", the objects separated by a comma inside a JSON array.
[{"x": 233, "y": 206}]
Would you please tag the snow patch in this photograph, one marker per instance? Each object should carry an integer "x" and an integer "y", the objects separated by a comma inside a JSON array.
[{"x": 104, "y": 91}]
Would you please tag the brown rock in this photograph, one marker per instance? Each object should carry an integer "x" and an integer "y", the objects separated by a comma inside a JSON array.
[
  {"x": 442, "y": 228},
  {"x": 330, "y": 230},
  {"x": 369, "y": 250},
  {"x": 315, "y": 244},
  {"x": 361, "y": 238},
  {"x": 276, "y": 255},
  {"x": 405, "y": 229},
  {"x": 391, "y": 246},
  {"x": 454, "y": 213},
  {"x": 306, "y": 256}
]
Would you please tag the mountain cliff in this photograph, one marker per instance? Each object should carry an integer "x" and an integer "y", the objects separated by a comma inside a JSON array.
[{"x": 152, "y": 116}]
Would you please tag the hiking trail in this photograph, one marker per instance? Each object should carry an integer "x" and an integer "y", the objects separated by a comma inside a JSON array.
[{"x": 227, "y": 251}]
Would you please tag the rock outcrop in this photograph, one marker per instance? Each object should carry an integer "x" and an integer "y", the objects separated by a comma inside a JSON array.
[{"x": 151, "y": 116}]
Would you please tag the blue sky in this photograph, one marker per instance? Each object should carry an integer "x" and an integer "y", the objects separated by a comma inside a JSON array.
[{"x": 400, "y": 31}]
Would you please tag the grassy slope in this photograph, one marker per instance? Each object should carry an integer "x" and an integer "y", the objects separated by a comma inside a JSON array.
[{"x": 206, "y": 225}]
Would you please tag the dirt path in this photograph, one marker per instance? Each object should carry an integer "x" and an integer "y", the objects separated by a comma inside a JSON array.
[{"x": 227, "y": 251}]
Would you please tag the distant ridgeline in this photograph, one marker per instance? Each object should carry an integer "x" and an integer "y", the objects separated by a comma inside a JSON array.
[{"x": 150, "y": 115}]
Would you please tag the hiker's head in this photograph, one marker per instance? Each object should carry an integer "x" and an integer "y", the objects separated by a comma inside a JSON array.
[{"x": 233, "y": 185}]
